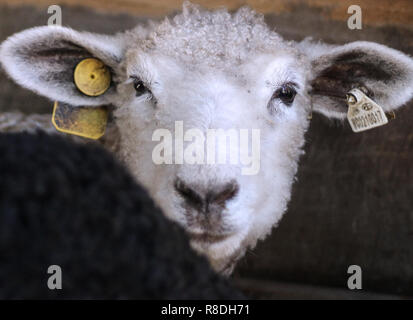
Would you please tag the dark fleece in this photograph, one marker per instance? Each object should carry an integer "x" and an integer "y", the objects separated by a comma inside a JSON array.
[{"x": 74, "y": 206}]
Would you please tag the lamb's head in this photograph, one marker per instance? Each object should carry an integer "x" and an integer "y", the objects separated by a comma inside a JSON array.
[{"x": 175, "y": 82}]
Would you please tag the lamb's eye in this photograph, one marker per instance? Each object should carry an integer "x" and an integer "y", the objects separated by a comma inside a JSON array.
[
  {"x": 286, "y": 94},
  {"x": 140, "y": 87}
]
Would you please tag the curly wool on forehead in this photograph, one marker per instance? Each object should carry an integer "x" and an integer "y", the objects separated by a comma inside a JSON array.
[{"x": 215, "y": 38}]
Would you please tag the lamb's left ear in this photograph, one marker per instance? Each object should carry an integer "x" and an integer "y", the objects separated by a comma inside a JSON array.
[
  {"x": 43, "y": 59},
  {"x": 387, "y": 74}
]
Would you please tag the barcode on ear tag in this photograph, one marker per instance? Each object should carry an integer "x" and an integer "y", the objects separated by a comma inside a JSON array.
[{"x": 363, "y": 113}]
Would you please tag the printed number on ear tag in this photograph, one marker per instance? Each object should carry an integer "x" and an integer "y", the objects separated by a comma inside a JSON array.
[
  {"x": 363, "y": 113},
  {"x": 92, "y": 77},
  {"x": 87, "y": 122}
]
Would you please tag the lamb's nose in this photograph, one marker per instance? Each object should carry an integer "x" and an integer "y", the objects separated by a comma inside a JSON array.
[{"x": 198, "y": 199}]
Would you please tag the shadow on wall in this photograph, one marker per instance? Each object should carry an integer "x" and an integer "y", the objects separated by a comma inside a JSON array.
[{"x": 352, "y": 203}]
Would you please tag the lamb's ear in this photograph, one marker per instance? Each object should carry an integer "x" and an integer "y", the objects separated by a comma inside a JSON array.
[
  {"x": 43, "y": 59},
  {"x": 387, "y": 74}
]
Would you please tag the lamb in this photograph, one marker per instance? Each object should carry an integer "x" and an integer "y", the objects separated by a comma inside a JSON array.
[
  {"x": 212, "y": 70},
  {"x": 74, "y": 206}
]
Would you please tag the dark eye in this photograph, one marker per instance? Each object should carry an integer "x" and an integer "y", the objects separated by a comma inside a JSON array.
[
  {"x": 140, "y": 87},
  {"x": 286, "y": 94}
]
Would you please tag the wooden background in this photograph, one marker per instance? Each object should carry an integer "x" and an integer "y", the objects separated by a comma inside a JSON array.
[
  {"x": 353, "y": 200},
  {"x": 379, "y": 12}
]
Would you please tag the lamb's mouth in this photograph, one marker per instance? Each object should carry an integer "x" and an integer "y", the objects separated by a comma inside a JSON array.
[{"x": 207, "y": 238}]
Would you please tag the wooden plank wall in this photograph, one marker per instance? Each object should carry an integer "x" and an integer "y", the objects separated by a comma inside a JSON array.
[{"x": 397, "y": 12}]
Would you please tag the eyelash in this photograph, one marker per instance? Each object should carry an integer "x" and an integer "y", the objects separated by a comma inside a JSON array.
[
  {"x": 140, "y": 87},
  {"x": 286, "y": 93}
]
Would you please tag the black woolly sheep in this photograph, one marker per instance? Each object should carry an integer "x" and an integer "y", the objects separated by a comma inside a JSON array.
[{"x": 74, "y": 206}]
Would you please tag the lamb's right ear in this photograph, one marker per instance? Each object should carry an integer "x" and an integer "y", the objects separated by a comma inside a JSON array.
[
  {"x": 43, "y": 59},
  {"x": 385, "y": 73}
]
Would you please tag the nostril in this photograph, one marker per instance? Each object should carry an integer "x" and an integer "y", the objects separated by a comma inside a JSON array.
[
  {"x": 227, "y": 193},
  {"x": 218, "y": 195},
  {"x": 187, "y": 193}
]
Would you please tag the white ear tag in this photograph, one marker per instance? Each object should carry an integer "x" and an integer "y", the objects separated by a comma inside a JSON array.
[{"x": 363, "y": 113}]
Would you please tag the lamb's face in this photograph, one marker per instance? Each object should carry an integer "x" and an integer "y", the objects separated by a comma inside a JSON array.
[{"x": 224, "y": 207}]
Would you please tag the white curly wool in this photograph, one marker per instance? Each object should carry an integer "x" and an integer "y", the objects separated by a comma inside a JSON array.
[
  {"x": 212, "y": 70},
  {"x": 217, "y": 39}
]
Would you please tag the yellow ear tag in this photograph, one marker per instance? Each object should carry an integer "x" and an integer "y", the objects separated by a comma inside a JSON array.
[
  {"x": 92, "y": 77},
  {"x": 87, "y": 122}
]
